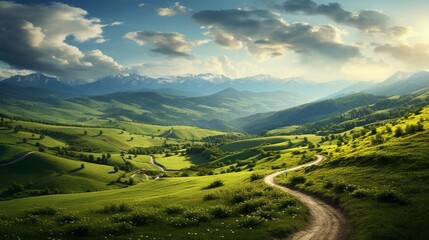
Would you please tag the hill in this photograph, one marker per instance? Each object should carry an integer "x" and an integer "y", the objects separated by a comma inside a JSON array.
[
  {"x": 306, "y": 113},
  {"x": 150, "y": 107}
]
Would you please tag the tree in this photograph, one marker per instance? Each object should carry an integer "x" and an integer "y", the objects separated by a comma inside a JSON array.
[
  {"x": 41, "y": 136},
  {"x": 85, "y": 132},
  {"x": 82, "y": 166},
  {"x": 131, "y": 181},
  {"x": 399, "y": 131},
  {"x": 101, "y": 132},
  {"x": 24, "y": 140},
  {"x": 16, "y": 129},
  {"x": 108, "y": 155},
  {"x": 116, "y": 168}
]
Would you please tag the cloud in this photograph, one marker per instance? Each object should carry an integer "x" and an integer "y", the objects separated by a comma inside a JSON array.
[
  {"x": 266, "y": 35},
  {"x": 9, "y": 72},
  {"x": 166, "y": 12},
  {"x": 33, "y": 37},
  {"x": 173, "y": 10},
  {"x": 116, "y": 24},
  {"x": 180, "y": 66},
  {"x": 368, "y": 21},
  {"x": 169, "y": 44},
  {"x": 141, "y": 5},
  {"x": 414, "y": 56},
  {"x": 181, "y": 8}
]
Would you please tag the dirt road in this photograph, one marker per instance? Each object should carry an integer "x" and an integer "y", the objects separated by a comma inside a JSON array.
[
  {"x": 326, "y": 222},
  {"x": 16, "y": 160}
]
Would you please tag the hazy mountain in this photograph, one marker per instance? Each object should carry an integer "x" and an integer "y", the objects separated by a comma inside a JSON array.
[
  {"x": 401, "y": 83},
  {"x": 38, "y": 80},
  {"x": 205, "y": 84},
  {"x": 357, "y": 87},
  {"x": 311, "y": 112}
]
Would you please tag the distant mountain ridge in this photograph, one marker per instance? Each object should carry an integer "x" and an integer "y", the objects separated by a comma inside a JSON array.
[{"x": 201, "y": 84}]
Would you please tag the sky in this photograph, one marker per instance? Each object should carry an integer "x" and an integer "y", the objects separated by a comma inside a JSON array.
[{"x": 366, "y": 40}]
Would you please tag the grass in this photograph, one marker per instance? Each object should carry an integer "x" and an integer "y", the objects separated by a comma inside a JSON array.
[
  {"x": 11, "y": 152},
  {"x": 382, "y": 186},
  {"x": 139, "y": 210},
  {"x": 40, "y": 171},
  {"x": 174, "y": 162}
]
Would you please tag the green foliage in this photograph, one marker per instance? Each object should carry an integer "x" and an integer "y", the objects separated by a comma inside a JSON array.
[
  {"x": 114, "y": 208},
  {"x": 215, "y": 184}
]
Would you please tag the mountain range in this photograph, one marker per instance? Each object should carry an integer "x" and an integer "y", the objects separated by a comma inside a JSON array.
[{"x": 186, "y": 85}]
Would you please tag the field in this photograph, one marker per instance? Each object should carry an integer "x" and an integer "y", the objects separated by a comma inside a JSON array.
[
  {"x": 378, "y": 182},
  {"x": 98, "y": 181}
]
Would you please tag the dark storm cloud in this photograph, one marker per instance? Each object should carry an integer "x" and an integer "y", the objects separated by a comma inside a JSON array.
[
  {"x": 169, "y": 44},
  {"x": 265, "y": 34},
  {"x": 368, "y": 21}
]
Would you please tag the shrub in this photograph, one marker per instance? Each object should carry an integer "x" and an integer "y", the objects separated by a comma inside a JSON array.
[
  {"x": 220, "y": 211},
  {"x": 44, "y": 211},
  {"x": 294, "y": 180},
  {"x": 285, "y": 203},
  {"x": 174, "y": 210},
  {"x": 214, "y": 184},
  {"x": 360, "y": 193},
  {"x": 197, "y": 214},
  {"x": 250, "y": 222},
  {"x": 116, "y": 208},
  {"x": 67, "y": 219},
  {"x": 140, "y": 218},
  {"x": 390, "y": 196},
  {"x": 256, "y": 176},
  {"x": 119, "y": 228},
  {"x": 78, "y": 231},
  {"x": 251, "y": 205},
  {"x": 210, "y": 196},
  {"x": 340, "y": 187},
  {"x": 328, "y": 185}
]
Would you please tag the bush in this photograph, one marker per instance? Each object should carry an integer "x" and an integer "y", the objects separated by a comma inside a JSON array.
[
  {"x": 340, "y": 187},
  {"x": 214, "y": 184},
  {"x": 67, "y": 219},
  {"x": 44, "y": 211},
  {"x": 250, "y": 222},
  {"x": 390, "y": 196},
  {"x": 220, "y": 211},
  {"x": 119, "y": 228},
  {"x": 294, "y": 180},
  {"x": 210, "y": 196},
  {"x": 251, "y": 205},
  {"x": 360, "y": 193},
  {"x": 78, "y": 231},
  {"x": 140, "y": 218},
  {"x": 328, "y": 185},
  {"x": 174, "y": 210},
  {"x": 256, "y": 176},
  {"x": 115, "y": 208}
]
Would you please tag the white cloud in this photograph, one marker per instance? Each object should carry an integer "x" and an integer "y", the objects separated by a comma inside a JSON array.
[
  {"x": 173, "y": 10},
  {"x": 166, "y": 12},
  {"x": 116, "y": 23},
  {"x": 34, "y": 37},
  {"x": 182, "y": 8}
]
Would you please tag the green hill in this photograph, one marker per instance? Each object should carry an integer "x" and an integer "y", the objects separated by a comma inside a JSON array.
[{"x": 378, "y": 177}]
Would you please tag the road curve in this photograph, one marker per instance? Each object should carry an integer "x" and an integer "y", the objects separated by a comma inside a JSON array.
[
  {"x": 16, "y": 160},
  {"x": 326, "y": 222},
  {"x": 153, "y": 162}
]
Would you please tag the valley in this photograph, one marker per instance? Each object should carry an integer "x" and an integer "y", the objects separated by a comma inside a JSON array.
[{"x": 72, "y": 174}]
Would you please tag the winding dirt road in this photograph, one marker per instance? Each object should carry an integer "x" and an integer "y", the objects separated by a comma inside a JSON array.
[
  {"x": 153, "y": 162},
  {"x": 326, "y": 222},
  {"x": 16, "y": 160}
]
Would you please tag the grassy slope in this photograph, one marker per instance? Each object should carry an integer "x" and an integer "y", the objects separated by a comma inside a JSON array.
[
  {"x": 47, "y": 171},
  {"x": 159, "y": 194},
  {"x": 362, "y": 175},
  {"x": 10, "y": 152}
]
